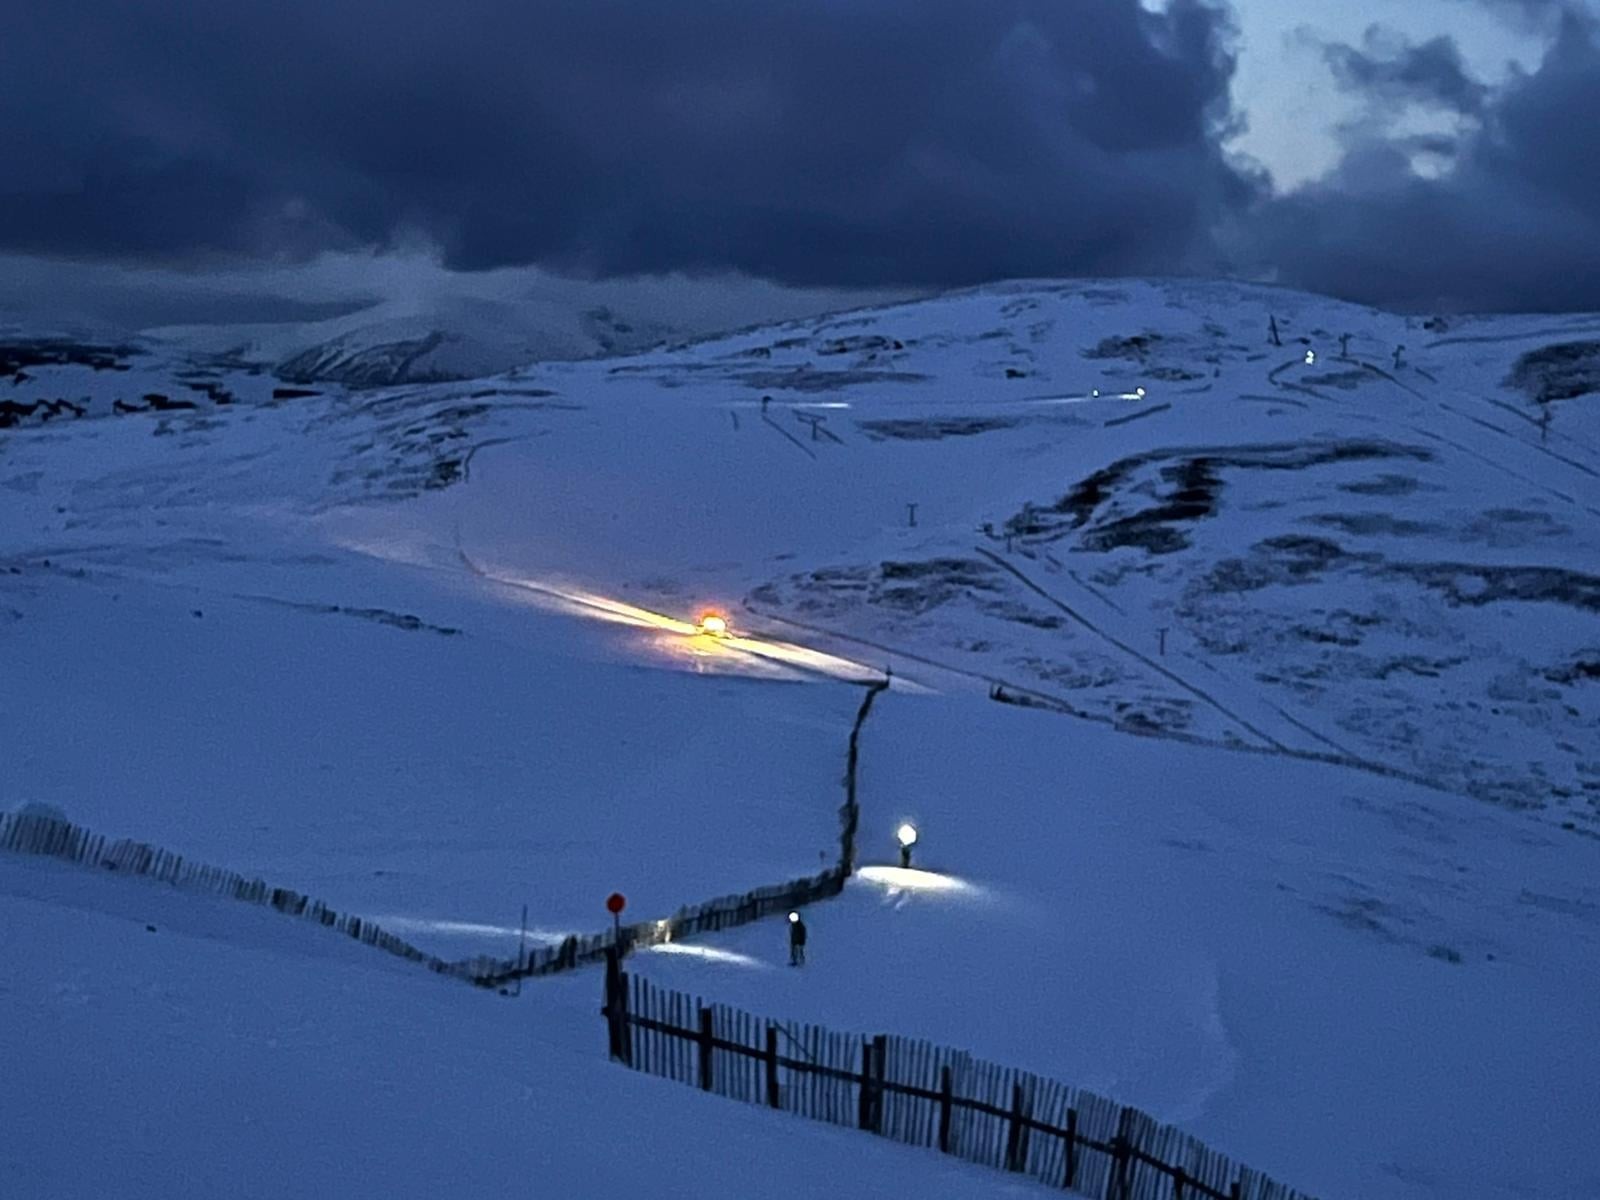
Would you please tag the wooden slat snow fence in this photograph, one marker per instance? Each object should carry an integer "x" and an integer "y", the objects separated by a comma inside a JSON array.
[
  {"x": 32, "y": 833},
  {"x": 725, "y": 912},
  {"x": 26, "y": 833},
  {"x": 923, "y": 1095}
]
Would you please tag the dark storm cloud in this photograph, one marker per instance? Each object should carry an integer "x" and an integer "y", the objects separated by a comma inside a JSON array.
[
  {"x": 1430, "y": 72},
  {"x": 845, "y": 141},
  {"x": 1513, "y": 222}
]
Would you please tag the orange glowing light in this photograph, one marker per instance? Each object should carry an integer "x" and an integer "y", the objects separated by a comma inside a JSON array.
[{"x": 714, "y": 623}]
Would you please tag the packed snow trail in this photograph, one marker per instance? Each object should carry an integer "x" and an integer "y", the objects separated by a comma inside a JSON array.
[
  {"x": 932, "y": 668},
  {"x": 1268, "y": 744},
  {"x": 1522, "y": 444},
  {"x": 1123, "y": 644},
  {"x": 1145, "y": 660}
]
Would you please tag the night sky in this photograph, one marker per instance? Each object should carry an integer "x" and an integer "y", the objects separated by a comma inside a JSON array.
[{"x": 1426, "y": 154}]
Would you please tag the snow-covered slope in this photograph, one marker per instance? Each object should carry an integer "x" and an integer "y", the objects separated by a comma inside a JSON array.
[
  {"x": 435, "y": 766},
  {"x": 461, "y": 340},
  {"x": 1129, "y": 503},
  {"x": 1311, "y": 637},
  {"x": 60, "y": 376},
  {"x": 156, "y": 1045}
]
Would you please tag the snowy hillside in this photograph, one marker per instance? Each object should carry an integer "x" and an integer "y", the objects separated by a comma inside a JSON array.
[
  {"x": 397, "y": 343},
  {"x": 1387, "y": 565},
  {"x": 58, "y": 376},
  {"x": 1287, "y": 834}
]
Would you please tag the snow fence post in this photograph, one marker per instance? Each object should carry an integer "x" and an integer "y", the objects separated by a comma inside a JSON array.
[
  {"x": 1016, "y": 1137},
  {"x": 864, "y": 1113},
  {"x": 946, "y": 1098},
  {"x": 773, "y": 1096},
  {"x": 616, "y": 1008},
  {"x": 1071, "y": 1152},
  {"x": 880, "y": 1070},
  {"x": 1122, "y": 1144},
  {"x": 707, "y": 1047}
]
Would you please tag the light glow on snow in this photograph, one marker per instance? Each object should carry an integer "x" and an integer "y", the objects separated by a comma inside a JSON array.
[
  {"x": 697, "y": 637},
  {"x": 709, "y": 954},
  {"x": 405, "y": 925},
  {"x": 910, "y": 879}
]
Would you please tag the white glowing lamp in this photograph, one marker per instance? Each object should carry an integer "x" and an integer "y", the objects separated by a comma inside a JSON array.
[
  {"x": 714, "y": 623},
  {"x": 793, "y": 917},
  {"x": 1311, "y": 357},
  {"x": 907, "y": 833}
]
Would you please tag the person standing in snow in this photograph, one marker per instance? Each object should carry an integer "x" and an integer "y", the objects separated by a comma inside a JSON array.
[{"x": 797, "y": 940}]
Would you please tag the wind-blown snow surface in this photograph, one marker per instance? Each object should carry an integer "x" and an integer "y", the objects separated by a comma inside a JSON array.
[{"x": 1368, "y": 757}]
